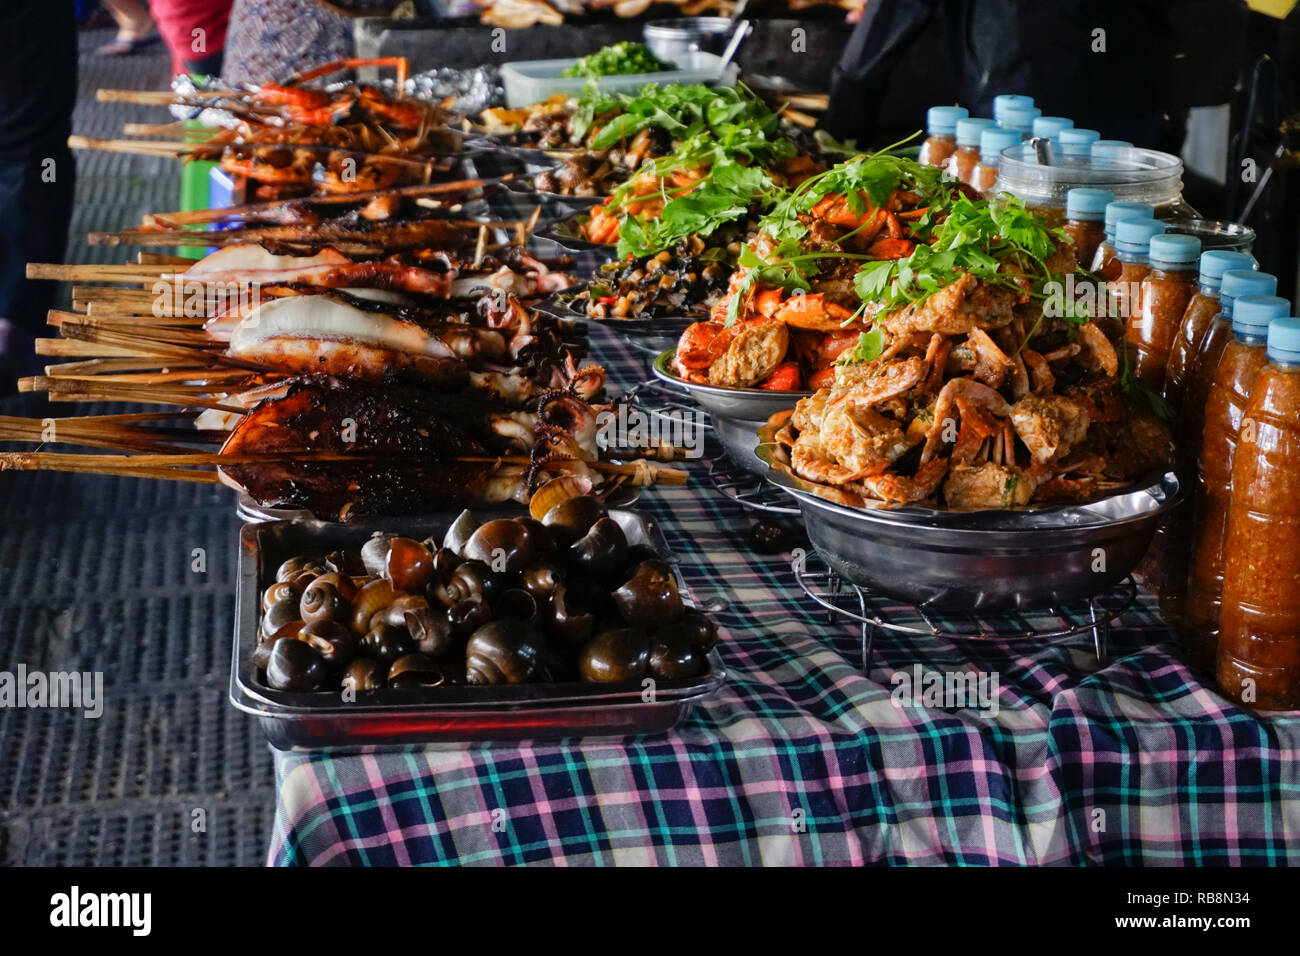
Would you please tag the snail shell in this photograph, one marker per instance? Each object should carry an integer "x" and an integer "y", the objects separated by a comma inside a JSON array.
[
  {"x": 459, "y": 532},
  {"x": 295, "y": 666},
  {"x": 507, "y": 544},
  {"x": 415, "y": 670},
  {"x": 375, "y": 552},
  {"x": 279, "y": 614},
  {"x": 323, "y": 602},
  {"x": 570, "y": 621},
  {"x": 650, "y": 598},
  {"x": 428, "y": 627},
  {"x": 616, "y": 655},
  {"x": 555, "y": 491},
  {"x": 408, "y": 564},
  {"x": 363, "y": 674},
  {"x": 386, "y": 643},
  {"x": 602, "y": 551},
  {"x": 279, "y": 591},
  {"x": 673, "y": 655},
  {"x": 333, "y": 641},
  {"x": 570, "y": 519},
  {"x": 503, "y": 652},
  {"x": 370, "y": 600}
]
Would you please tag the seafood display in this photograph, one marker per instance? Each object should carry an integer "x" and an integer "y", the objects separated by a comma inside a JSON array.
[
  {"x": 564, "y": 597},
  {"x": 334, "y": 384},
  {"x": 970, "y": 391},
  {"x": 292, "y": 139}
]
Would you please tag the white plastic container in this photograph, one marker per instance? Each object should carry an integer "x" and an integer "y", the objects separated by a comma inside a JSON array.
[{"x": 531, "y": 81}]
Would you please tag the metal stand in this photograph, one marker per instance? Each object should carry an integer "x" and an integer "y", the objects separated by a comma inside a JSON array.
[{"x": 840, "y": 598}]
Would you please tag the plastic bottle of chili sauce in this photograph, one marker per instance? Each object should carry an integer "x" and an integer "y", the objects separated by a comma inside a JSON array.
[
  {"x": 1200, "y": 311},
  {"x": 962, "y": 163},
  {"x": 1243, "y": 359},
  {"x": 941, "y": 128},
  {"x": 992, "y": 142},
  {"x": 1132, "y": 248},
  {"x": 1085, "y": 210},
  {"x": 1105, "y": 262},
  {"x": 1235, "y": 283},
  {"x": 1166, "y": 290},
  {"x": 1259, "y": 635}
]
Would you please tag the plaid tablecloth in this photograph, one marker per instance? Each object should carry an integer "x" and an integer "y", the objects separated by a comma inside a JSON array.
[{"x": 803, "y": 759}]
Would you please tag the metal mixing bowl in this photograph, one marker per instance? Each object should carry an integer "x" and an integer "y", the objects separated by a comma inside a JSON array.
[{"x": 989, "y": 561}]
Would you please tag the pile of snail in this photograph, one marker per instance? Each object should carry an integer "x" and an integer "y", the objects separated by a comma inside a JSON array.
[{"x": 563, "y": 597}]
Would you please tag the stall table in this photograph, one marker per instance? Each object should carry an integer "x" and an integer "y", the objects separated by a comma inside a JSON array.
[{"x": 803, "y": 758}]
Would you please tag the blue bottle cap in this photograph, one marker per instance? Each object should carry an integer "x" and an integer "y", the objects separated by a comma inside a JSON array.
[
  {"x": 1238, "y": 282},
  {"x": 942, "y": 120},
  {"x": 969, "y": 129},
  {"x": 1118, "y": 211},
  {"x": 1077, "y": 142},
  {"x": 1134, "y": 235},
  {"x": 994, "y": 140},
  {"x": 1251, "y": 314},
  {"x": 1019, "y": 118},
  {"x": 1284, "y": 340},
  {"x": 1050, "y": 126},
  {"x": 1215, "y": 262},
  {"x": 1174, "y": 251},
  {"x": 1087, "y": 205},
  {"x": 1003, "y": 100},
  {"x": 1109, "y": 148}
]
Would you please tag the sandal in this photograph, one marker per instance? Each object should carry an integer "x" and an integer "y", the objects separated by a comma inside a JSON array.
[{"x": 125, "y": 46}]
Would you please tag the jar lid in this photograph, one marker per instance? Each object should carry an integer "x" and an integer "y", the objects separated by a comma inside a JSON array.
[
  {"x": 1003, "y": 100},
  {"x": 1051, "y": 126},
  {"x": 942, "y": 120},
  {"x": 1019, "y": 118},
  {"x": 1215, "y": 262},
  {"x": 1251, "y": 314},
  {"x": 1088, "y": 205},
  {"x": 969, "y": 129},
  {"x": 1119, "y": 211},
  {"x": 995, "y": 139},
  {"x": 1239, "y": 282},
  {"x": 1175, "y": 251},
  {"x": 1077, "y": 142},
  {"x": 1284, "y": 339},
  {"x": 1109, "y": 148},
  {"x": 1134, "y": 235}
]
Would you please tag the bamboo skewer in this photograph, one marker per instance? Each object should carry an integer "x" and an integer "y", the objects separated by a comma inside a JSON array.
[
  {"x": 97, "y": 272},
  {"x": 249, "y": 210},
  {"x": 84, "y": 390},
  {"x": 336, "y": 238}
]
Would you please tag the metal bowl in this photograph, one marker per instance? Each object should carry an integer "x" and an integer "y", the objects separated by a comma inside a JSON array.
[
  {"x": 988, "y": 561},
  {"x": 738, "y": 413},
  {"x": 650, "y": 335}
]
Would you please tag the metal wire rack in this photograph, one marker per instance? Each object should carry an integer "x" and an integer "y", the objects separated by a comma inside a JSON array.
[
  {"x": 750, "y": 491},
  {"x": 859, "y": 604}
]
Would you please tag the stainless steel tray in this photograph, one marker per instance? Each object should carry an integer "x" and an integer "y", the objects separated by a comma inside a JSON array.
[{"x": 388, "y": 718}]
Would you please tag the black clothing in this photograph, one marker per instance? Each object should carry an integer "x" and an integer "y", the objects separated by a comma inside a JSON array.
[
  {"x": 1111, "y": 65},
  {"x": 38, "y": 76}
]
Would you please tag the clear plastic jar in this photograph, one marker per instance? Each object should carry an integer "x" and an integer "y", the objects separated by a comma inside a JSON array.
[{"x": 1129, "y": 173}]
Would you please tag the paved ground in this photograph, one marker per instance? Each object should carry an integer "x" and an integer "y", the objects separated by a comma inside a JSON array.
[{"x": 98, "y": 575}]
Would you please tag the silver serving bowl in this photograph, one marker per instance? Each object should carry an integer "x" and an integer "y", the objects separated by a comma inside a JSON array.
[
  {"x": 991, "y": 561},
  {"x": 738, "y": 413}
]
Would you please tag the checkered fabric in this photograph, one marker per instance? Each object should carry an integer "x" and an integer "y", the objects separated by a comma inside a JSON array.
[{"x": 801, "y": 759}]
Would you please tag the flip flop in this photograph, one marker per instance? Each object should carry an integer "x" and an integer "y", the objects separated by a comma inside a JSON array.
[{"x": 121, "y": 47}]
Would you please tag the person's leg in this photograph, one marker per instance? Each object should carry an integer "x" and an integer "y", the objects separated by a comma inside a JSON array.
[
  {"x": 35, "y": 209},
  {"x": 135, "y": 27}
]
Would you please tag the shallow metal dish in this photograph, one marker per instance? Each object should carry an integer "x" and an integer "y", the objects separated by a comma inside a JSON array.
[
  {"x": 523, "y": 186},
  {"x": 987, "y": 561},
  {"x": 388, "y": 718},
  {"x": 565, "y": 234},
  {"x": 738, "y": 413}
]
